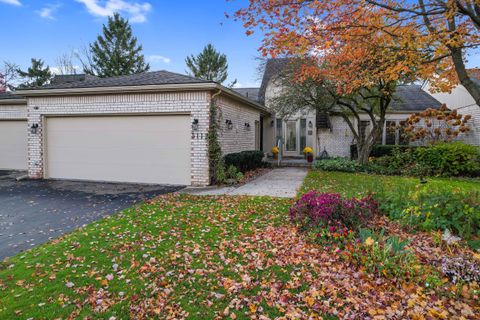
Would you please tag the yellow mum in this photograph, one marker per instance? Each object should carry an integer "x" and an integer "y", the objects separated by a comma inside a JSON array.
[{"x": 308, "y": 150}]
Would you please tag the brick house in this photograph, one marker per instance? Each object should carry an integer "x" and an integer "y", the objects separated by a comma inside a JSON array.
[
  {"x": 144, "y": 128},
  {"x": 152, "y": 127},
  {"x": 333, "y": 134}
]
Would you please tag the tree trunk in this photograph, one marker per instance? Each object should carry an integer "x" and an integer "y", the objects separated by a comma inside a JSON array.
[
  {"x": 364, "y": 152},
  {"x": 463, "y": 76}
]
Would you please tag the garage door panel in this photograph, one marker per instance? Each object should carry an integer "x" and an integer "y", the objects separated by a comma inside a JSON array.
[
  {"x": 144, "y": 149},
  {"x": 13, "y": 145}
]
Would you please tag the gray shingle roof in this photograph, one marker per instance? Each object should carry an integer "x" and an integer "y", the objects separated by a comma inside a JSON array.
[
  {"x": 273, "y": 67},
  {"x": 68, "y": 78},
  {"x": 413, "y": 98},
  {"x": 9, "y": 96},
  {"x": 250, "y": 93},
  {"x": 408, "y": 97},
  {"x": 140, "y": 79}
]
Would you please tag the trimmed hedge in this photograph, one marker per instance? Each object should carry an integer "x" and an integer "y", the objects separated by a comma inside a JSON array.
[
  {"x": 450, "y": 159},
  {"x": 444, "y": 159},
  {"x": 246, "y": 160},
  {"x": 379, "y": 150}
]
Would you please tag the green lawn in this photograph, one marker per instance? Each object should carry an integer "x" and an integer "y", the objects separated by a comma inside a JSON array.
[
  {"x": 194, "y": 257},
  {"x": 356, "y": 184},
  {"x": 159, "y": 258}
]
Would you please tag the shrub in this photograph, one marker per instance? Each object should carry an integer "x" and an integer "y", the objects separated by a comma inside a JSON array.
[
  {"x": 380, "y": 150},
  {"x": 315, "y": 210},
  {"x": 246, "y": 160},
  {"x": 437, "y": 209},
  {"x": 339, "y": 164},
  {"x": 231, "y": 175},
  {"x": 450, "y": 159}
]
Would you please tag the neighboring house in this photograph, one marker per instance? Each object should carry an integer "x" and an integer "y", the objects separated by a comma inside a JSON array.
[
  {"x": 145, "y": 128},
  {"x": 331, "y": 133},
  {"x": 459, "y": 99},
  {"x": 13, "y": 132}
]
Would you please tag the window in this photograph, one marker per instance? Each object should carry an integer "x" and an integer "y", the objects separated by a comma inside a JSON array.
[
  {"x": 391, "y": 132},
  {"x": 279, "y": 130},
  {"x": 363, "y": 129},
  {"x": 303, "y": 134}
]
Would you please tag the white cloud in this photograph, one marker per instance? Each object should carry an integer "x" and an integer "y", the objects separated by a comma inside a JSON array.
[
  {"x": 59, "y": 70},
  {"x": 157, "y": 58},
  {"x": 246, "y": 85},
  {"x": 14, "y": 2},
  {"x": 47, "y": 12},
  {"x": 136, "y": 11}
]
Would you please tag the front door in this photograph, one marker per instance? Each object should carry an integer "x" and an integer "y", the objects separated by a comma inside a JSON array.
[{"x": 291, "y": 138}]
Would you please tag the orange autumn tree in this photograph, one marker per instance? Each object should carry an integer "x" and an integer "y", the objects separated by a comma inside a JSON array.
[
  {"x": 432, "y": 126},
  {"x": 359, "y": 64},
  {"x": 432, "y": 35}
]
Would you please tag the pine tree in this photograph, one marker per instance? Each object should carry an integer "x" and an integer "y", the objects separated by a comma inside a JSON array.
[
  {"x": 116, "y": 52},
  {"x": 36, "y": 75},
  {"x": 208, "y": 65}
]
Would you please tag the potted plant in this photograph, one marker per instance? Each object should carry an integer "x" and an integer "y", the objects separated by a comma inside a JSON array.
[
  {"x": 275, "y": 152},
  {"x": 308, "y": 151}
]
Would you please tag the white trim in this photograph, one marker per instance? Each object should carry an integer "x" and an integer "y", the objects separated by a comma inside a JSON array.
[{"x": 144, "y": 89}]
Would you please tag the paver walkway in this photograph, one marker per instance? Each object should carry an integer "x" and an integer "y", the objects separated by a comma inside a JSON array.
[{"x": 280, "y": 182}]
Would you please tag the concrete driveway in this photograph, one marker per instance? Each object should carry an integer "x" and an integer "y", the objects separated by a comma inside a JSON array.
[{"x": 35, "y": 211}]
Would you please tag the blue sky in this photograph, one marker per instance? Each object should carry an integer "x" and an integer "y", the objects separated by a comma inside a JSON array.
[{"x": 169, "y": 30}]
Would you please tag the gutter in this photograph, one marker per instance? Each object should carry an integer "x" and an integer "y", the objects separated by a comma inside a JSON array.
[
  {"x": 209, "y": 86},
  {"x": 13, "y": 101}
]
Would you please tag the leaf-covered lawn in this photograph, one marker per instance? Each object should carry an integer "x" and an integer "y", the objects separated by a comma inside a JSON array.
[
  {"x": 193, "y": 257},
  {"x": 355, "y": 184}
]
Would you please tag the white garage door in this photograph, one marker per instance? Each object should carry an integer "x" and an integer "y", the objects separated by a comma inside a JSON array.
[
  {"x": 13, "y": 145},
  {"x": 143, "y": 149}
]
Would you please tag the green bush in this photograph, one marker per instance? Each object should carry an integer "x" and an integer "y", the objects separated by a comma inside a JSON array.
[
  {"x": 436, "y": 209},
  {"x": 245, "y": 161},
  {"x": 450, "y": 159},
  {"x": 339, "y": 164},
  {"x": 380, "y": 150}
]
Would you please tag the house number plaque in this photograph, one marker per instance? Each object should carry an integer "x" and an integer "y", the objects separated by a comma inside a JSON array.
[{"x": 199, "y": 136}]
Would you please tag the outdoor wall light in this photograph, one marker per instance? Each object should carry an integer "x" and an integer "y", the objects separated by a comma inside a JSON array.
[
  {"x": 195, "y": 124},
  {"x": 272, "y": 123},
  {"x": 310, "y": 124},
  {"x": 229, "y": 124},
  {"x": 247, "y": 126},
  {"x": 34, "y": 128}
]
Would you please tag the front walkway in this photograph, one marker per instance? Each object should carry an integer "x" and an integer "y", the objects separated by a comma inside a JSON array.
[{"x": 280, "y": 182}]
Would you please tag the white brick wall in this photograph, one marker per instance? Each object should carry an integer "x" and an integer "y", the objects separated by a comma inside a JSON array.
[
  {"x": 195, "y": 103},
  {"x": 337, "y": 141},
  {"x": 13, "y": 111},
  {"x": 239, "y": 138},
  {"x": 473, "y": 136}
]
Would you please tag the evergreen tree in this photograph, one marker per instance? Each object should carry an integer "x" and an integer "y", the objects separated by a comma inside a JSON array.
[
  {"x": 116, "y": 52},
  {"x": 208, "y": 65},
  {"x": 36, "y": 75}
]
